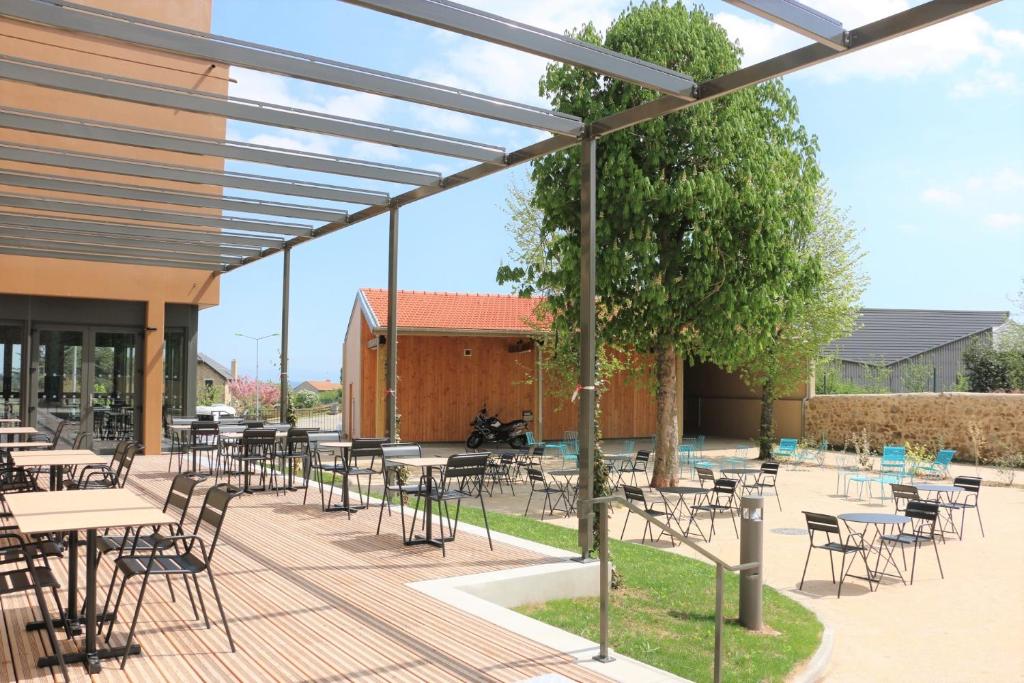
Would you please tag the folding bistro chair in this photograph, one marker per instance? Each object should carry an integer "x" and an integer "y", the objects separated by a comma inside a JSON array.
[
  {"x": 462, "y": 479},
  {"x": 938, "y": 468},
  {"x": 966, "y": 501},
  {"x": 767, "y": 478},
  {"x": 718, "y": 500},
  {"x": 924, "y": 515},
  {"x": 539, "y": 484},
  {"x": 852, "y": 544},
  {"x": 635, "y": 494},
  {"x": 391, "y": 483},
  {"x": 786, "y": 449},
  {"x": 638, "y": 466}
]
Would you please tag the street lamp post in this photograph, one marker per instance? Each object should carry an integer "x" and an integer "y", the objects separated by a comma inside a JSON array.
[{"x": 257, "y": 340}]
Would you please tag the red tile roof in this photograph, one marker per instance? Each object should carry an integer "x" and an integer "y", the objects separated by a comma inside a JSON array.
[
  {"x": 457, "y": 312},
  {"x": 322, "y": 384}
]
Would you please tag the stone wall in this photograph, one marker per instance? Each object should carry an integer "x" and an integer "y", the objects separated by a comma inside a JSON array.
[{"x": 921, "y": 418}]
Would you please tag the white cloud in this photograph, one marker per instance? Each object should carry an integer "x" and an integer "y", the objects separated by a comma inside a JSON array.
[
  {"x": 938, "y": 195},
  {"x": 1005, "y": 221},
  {"x": 938, "y": 49},
  {"x": 983, "y": 83}
]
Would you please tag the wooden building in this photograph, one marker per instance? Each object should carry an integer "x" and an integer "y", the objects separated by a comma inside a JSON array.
[{"x": 457, "y": 352}]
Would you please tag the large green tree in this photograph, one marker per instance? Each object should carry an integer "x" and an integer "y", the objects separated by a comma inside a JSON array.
[
  {"x": 822, "y": 307},
  {"x": 696, "y": 210}
]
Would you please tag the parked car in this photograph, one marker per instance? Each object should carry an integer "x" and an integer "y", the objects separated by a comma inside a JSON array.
[{"x": 216, "y": 410}]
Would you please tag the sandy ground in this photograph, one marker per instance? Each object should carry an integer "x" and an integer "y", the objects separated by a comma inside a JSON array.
[{"x": 966, "y": 627}]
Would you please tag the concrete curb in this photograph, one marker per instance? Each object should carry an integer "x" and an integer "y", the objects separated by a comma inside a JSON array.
[{"x": 815, "y": 668}]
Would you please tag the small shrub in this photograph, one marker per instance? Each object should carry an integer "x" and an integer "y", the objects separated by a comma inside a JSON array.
[
  {"x": 1007, "y": 466},
  {"x": 305, "y": 399}
]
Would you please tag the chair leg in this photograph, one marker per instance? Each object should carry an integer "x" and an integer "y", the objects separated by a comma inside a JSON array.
[
  {"x": 937, "y": 559},
  {"x": 526, "y": 512},
  {"x": 842, "y": 575},
  {"x": 220, "y": 606},
  {"x": 50, "y": 631},
  {"x": 487, "y": 524},
  {"x": 807, "y": 562},
  {"x": 135, "y": 620},
  {"x": 191, "y": 598},
  {"x": 831, "y": 563},
  {"x": 385, "y": 502},
  {"x": 117, "y": 606},
  {"x": 977, "y": 509},
  {"x": 624, "y": 523},
  {"x": 202, "y": 603}
]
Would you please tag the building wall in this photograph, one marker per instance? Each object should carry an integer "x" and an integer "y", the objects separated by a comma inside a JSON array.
[
  {"x": 923, "y": 418},
  {"x": 153, "y": 287},
  {"x": 719, "y": 403},
  {"x": 204, "y": 372},
  {"x": 947, "y": 361},
  {"x": 351, "y": 362}
]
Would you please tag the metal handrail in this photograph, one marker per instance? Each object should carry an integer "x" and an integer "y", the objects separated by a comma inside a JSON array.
[{"x": 721, "y": 566}]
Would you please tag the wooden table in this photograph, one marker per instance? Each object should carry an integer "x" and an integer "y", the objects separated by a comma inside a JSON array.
[
  {"x": 10, "y": 420},
  {"x": 26, "y": 445},
  {"x": 429, "y": 464},
  {"x": 56, "y": 511},
  {"x": 344, "y": 449},
  {"x": 11, "y": 432},
  {"x": 57, "y": 460}
]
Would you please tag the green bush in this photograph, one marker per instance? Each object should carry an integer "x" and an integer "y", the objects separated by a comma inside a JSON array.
[
  {"x": 305, "y": 399},
  {"x": 989, "y": 369}
]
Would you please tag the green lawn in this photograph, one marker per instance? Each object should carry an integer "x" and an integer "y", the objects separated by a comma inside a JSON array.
[{"x": 664, "y": 614}]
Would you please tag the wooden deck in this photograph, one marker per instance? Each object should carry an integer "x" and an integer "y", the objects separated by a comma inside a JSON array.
[{"x": 310, "y": 597}]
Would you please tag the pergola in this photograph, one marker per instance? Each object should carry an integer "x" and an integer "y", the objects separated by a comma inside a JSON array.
[{"x": 203, "y": 241}]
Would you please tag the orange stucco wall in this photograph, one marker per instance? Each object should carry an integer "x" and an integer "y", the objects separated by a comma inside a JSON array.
[{"x": 87, "y": 279}]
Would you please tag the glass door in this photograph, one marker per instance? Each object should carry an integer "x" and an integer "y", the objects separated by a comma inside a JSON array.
[
  {"x": 60, "y": 383},
  {"x": 114, "y": 384},
  {"x": 10, "y": 370}
]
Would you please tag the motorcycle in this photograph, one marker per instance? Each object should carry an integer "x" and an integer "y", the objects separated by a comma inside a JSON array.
[{"x": 489, "y": 429}]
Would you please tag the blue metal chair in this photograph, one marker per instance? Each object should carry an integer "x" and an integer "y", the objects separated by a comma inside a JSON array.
[
  {"x": 529, "y": 439},
  {"x": 939, "y": 467},
  {"x": 572, "y": 447},
  {"x": 787, "y": 448}
]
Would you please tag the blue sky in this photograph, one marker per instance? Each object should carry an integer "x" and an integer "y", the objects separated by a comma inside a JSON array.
[{"x": 922, "y": 140}]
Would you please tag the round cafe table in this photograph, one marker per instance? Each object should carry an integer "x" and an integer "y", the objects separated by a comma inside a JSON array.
[
  {"x": 945, "y": 496},
  {"x": 681, "y": 492},
  {"x": 879, "y": 522}
]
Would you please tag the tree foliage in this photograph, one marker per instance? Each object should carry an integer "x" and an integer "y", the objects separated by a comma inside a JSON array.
[
  {"x": 819, "y": 308},
  {"x": 696, "y": 209}
]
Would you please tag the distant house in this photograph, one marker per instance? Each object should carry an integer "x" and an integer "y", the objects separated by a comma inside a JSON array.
[
  {"x": 212, "y": 378},
  {"x": 909, "y": 349},
  {"x": 318, "y": 386}
]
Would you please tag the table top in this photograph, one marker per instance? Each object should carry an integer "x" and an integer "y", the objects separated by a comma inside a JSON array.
[
  {"x": 49, "y": 511},
  {"x": 682, "y": 490},
  {"x": 11, "y": 420},
  {"x": 334, "y": 444},
  {"x": 18, "y": 430},
  {"x": 59, "y": 457},
  {"x": 618, "y": 456},
  {"x": 873, "y": 518},
  {"x": 942, "y": 488},
  {"x": 420, "y": 462},
  {"x": 25, "y": 445},
  {"x": 741, "y": 470},
  {"x": 564, "y": 472}
]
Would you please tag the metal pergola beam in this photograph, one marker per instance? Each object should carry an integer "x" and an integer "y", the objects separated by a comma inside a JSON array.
[
  {"x": 799, "y": 18},
  {"x": 74, "y": 255},
  {"x": 48, "y": 156},
  {"x": 225, "y": 50},
  {"x": 99, "y": 131},
  {"x": 495, "y": 29},
  {"x": 143, "y": 194},
  {"x": 211, "y": 260},
  {"x": 129, "y": 229},
  {"x": 179, "y": 247},
  {"x": 238, "y": 109},
  {"x": 40, "y": 203}
]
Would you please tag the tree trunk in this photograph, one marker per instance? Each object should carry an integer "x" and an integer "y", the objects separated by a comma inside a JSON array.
[
  {"x": 667, "y": 442},
  {"x": 766, "y": 435}
]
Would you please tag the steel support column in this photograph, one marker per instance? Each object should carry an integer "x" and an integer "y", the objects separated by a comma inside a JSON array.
[
  {"x": 392, "y": 369},
  {"x": 286, "y": 276},
  {"x": 588, "y": 338}
]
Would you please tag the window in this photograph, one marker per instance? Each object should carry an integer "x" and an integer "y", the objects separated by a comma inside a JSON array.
[{"x": 208, "y": 383}]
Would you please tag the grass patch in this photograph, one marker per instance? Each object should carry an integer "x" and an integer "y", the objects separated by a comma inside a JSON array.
[{"x": 664, "y": 615}]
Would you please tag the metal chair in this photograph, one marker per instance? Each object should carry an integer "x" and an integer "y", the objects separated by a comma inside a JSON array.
[
  {"x": 767, "y": 478},
  {"x": 194, "y": 558},
  {"x": 966, "y": 501},
  {"x": 635, "y": 494},
  {"x": 939, "y": 467},
  {"x": 638, "y": 466},
  {"x": 463, "y": 478},
  {"x": 926, "y": 514},
  {"x": 256, "y": 452},
  {"x": 499, "y": 473},
  {"x": 109, "y": 476},
  {"x": 204, "y": 440},
  {"x": 718, "y": 500},
  {"x": 539, "y": 484},
  {"x": 854, "y": 543},
  {"x": 787, "y": 448},
  {"x": 392, "y": 483},
  {"x": 34, "y": 579},
  {"x": 706, "y": 477},
  {"x": 902, "y": 494}
]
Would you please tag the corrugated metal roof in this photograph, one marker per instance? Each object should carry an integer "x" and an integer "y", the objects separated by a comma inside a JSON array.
[{"x": 888, "y": 335}]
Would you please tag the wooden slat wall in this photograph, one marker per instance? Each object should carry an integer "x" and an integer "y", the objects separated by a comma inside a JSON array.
[{"x": 311, "y": 597}]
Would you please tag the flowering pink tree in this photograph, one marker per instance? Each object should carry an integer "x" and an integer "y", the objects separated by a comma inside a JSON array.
[{"x": 244, "y": 391}]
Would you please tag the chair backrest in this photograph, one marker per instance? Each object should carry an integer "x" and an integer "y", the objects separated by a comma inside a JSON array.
[
  {"x": 972, "y": 484},
  {"x": 788, "y": 445},
  {"x": 892, "y": 452},
  {"x": 81, "y": 438},
  {"x": 401, "y": 450},
  {"x": 365, "y": 448},
  {"x": 770, "y": 468},
  {"x": 212, "y": 513},
  {"x": 635, "y": 493},
  {"x": 466, "y": 470},
  {"x": 726, "y": 485},
  {"x": 258, "y": 442},
  {"x": 642, "y": 457},
  {"x": 205, "y": 433},
  {"x": 180, "y": 495},
  {"x": 817, "y": 521},
  {"x": 535, "y": 475},
  {"x": 57, "y": 434},
  {"x": 704, "y": 474},
  {"x": 894, "y": 458},
  {"x": 297, "y": 440},
  {"x": 529, "y": 439},
  {"x": 125, "y": 466},
  {"x": 945, "y": 456},
  {"x": 922, "y": 509},
  {"x": 902, "y": 494}
]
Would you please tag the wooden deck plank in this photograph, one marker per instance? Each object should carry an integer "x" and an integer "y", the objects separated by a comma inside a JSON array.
[{"x": 310, "y": 596}]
